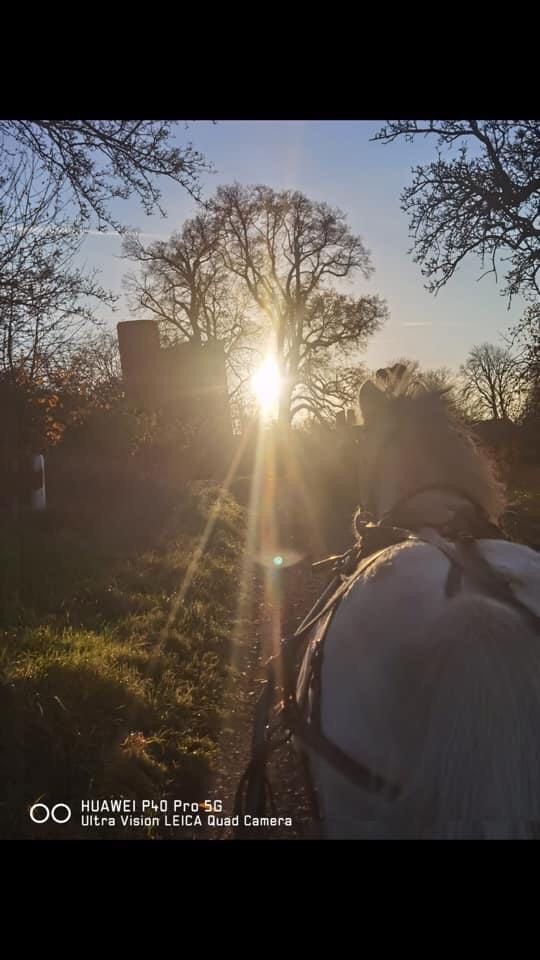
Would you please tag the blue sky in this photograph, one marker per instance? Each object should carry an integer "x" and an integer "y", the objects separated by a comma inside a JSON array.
[{"x": 334, "y": 161}]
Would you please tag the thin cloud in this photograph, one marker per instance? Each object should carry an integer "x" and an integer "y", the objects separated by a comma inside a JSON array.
[
  {"x": 418, "y": 323},
  {"x": 114, "y": 233}
]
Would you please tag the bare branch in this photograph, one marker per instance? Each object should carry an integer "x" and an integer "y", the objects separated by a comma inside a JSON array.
[
  {"x": 484, "y": 200},
  {"x": 94, "y": 162}
]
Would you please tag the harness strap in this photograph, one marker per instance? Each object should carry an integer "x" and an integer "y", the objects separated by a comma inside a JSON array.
[
  {"x": 466, "y": 555},
  {"x": 354, "y": 771}
]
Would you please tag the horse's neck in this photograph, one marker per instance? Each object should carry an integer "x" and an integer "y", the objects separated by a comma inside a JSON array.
[
  {"x": 404, "y": 484},
  {"x": 413, "y": 467}
]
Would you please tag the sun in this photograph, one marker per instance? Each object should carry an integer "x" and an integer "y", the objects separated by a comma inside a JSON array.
[{"x": 266, "y": 385}]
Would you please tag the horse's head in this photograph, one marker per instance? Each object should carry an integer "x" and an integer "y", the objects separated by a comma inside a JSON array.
[
  {"x": 384, "y": 419},
  {"x": 412, "y": 439}
]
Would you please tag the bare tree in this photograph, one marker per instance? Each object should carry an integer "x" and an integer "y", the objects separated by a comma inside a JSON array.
[
  {"x": 524, "y": 338},
  {"x": 492, "y": 384},
  {"x": 93, "y": 162},
  {"x": 55, "y": 177},
  {"x": 184, "y": 285},
  {"x": 289, "y": 252},
  {"x": 331, "y": 391},
  {"x": 44, "y": 299},
  {"x": 484, "y": 200}
]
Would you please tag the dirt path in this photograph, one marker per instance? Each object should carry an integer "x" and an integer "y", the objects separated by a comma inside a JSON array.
[{"x": 301, "y": 588}]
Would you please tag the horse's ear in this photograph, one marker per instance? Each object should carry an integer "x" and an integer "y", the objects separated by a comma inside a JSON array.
[{"x": 373, "y": 401}]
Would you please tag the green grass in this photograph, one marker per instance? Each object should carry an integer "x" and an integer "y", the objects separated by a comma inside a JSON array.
[{"x": 102, "y": 694}]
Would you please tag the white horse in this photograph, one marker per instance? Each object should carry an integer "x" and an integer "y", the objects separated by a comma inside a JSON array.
[{"x": 437, "y": 690}]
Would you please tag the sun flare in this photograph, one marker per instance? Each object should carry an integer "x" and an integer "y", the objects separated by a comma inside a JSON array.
[{"x": 266, "y": 385}]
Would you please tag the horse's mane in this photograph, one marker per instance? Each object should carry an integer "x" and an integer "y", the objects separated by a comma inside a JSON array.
[{"x": 430, "y": 422}]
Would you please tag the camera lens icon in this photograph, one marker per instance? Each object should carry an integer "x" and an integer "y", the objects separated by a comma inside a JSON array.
[{"x": 40, "y": 813}]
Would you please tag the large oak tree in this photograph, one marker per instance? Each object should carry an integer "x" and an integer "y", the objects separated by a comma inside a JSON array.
[{"x": 291, "y": 253}]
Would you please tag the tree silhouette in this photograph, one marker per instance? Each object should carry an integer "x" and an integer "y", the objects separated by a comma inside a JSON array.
[
  {"x": 45, "y": 300},
  {"x": 93, "y": 162},
  {"x": 484, "y": 200},
  {"x": 290, "y": 252},
  {"x": 492, "y": 383}
]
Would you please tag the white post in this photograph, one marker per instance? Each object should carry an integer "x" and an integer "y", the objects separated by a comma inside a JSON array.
[{"x": 38, "y": 497}]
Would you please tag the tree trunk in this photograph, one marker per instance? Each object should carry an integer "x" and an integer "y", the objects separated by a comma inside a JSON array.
[{"x": 284, "y": 407}]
